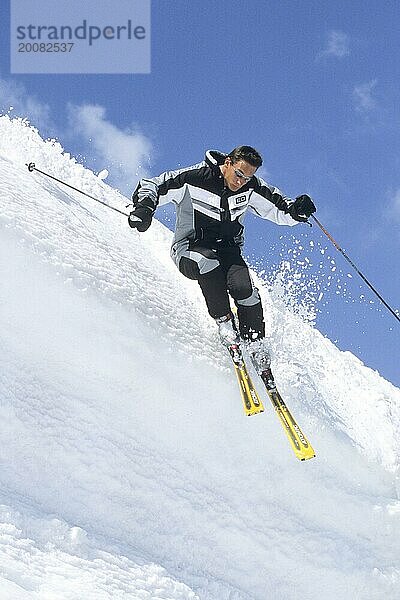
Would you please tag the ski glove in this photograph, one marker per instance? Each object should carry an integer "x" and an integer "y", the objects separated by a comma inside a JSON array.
[
  {"x": 302, "y": 208},
  {"x": 141, "y": 216}
]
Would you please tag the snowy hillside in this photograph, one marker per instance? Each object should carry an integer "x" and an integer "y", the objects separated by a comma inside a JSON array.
[{"x": 128, "y": 469}]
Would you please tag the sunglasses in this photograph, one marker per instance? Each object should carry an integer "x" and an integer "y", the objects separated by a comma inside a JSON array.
[{"x": 241, "y": 175}]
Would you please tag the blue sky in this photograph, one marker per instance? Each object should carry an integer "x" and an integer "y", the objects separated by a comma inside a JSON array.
[{"x": 313, "y": 85}]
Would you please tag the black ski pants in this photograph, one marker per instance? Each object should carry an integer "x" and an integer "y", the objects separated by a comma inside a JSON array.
[{"x": 221, "y": 272}]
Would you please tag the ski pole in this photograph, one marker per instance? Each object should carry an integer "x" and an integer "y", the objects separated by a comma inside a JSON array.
[
  {"x": 31, "y": 167},
  {"x": 328, "y": 235}
]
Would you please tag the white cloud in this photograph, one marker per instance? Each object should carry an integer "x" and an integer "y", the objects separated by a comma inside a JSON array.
[
  {"x": 337, "y": 44},
  {"x": 15, "y": 100},
  {"x": 125, "y": 153},
  {"x": 363, "y": 95}
]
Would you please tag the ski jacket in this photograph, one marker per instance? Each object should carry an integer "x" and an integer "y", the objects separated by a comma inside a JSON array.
[{"x": 207, "y": 211}]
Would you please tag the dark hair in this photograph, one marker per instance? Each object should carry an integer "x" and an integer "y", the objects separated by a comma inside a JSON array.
[{"x": 246, "y": 153}]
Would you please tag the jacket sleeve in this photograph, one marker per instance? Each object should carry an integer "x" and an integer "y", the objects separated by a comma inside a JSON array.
[
  {"x": 167, "y": 187},
  {"x": 268, "y": 202}
]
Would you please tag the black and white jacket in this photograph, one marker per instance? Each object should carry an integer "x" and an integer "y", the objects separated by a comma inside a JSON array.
[{"x": 208, "y": 212}]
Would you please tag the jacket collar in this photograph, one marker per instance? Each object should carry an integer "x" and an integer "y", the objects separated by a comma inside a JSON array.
[{"x": 215, "y": 159}]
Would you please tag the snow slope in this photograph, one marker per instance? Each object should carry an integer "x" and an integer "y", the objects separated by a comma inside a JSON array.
[{"x": 128, "y": 469}]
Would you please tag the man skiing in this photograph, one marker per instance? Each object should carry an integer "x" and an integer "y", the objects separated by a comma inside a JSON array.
[{"x": 211, "y": 200}]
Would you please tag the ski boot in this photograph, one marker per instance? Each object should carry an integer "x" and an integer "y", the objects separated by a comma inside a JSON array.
[
  {"x": 261, "y": 359},
  {"x": 227, "y": 331}
]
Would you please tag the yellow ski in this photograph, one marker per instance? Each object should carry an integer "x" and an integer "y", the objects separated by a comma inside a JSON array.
[
  {"x": 251, "y": 401},
  {"x": 300, "y": 444}
]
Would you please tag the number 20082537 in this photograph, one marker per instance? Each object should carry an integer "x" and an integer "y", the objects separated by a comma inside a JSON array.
[{"x": 45, "y": 47}]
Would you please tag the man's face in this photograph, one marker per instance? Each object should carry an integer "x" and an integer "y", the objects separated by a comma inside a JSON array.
[{"x": 237, "y": 174}]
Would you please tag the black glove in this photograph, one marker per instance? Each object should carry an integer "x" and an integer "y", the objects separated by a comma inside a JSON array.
[
  {"x": 302, "y": 208},
  {"x": 141, "y": 216}
]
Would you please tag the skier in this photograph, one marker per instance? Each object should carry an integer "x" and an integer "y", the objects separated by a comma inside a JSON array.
[{"x": 211, "y": 200}]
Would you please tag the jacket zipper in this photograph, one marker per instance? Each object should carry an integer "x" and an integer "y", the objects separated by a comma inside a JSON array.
[{"x": 225, "y": 216}]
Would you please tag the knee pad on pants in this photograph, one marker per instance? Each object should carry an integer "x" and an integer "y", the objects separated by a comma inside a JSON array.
[{"x": 251, "y": 300}]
